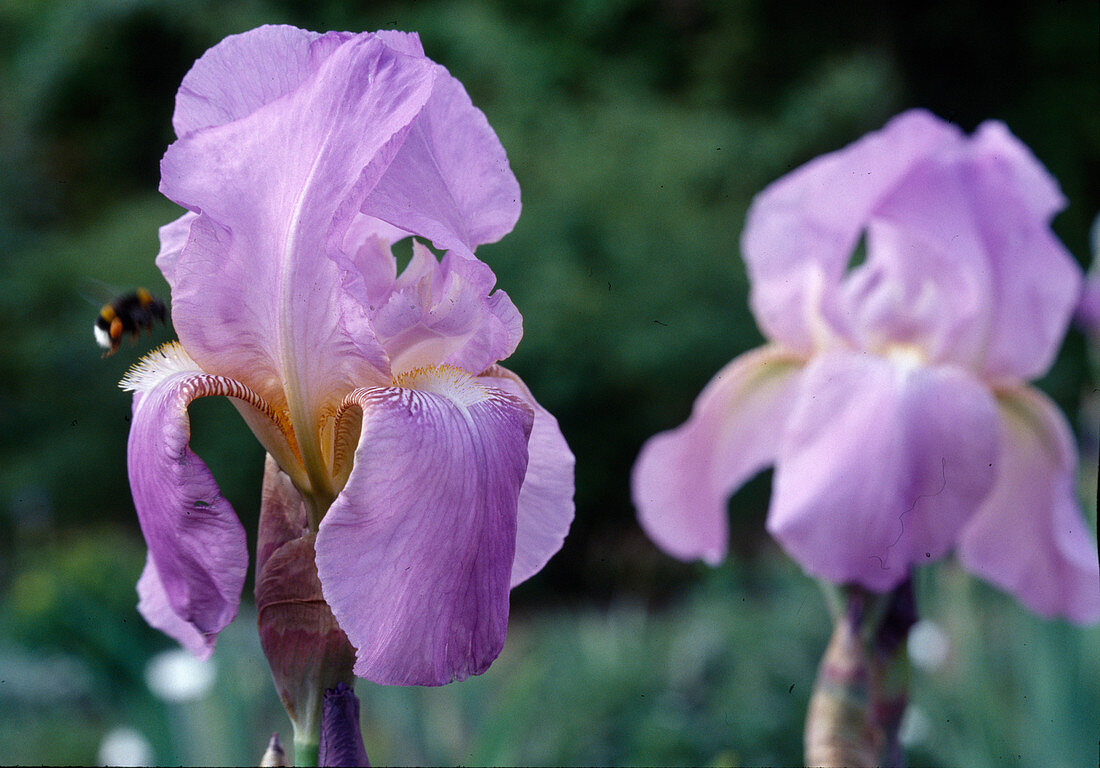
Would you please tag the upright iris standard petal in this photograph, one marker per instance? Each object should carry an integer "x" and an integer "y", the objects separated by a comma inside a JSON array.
[
  {"x": 247, "y": 71},
  {"x": 881, "y": 465},
  {"x": 960, "y": 256},
  {"x": 1036, "y": 281},
  {"x": 415, "y": 555},
  {"x": 452, "y": 186},
  {"x": 802, "y": 230},
  {"x": 683, "y": 478},
  {"x": 922, "y": 285},
  {"x": 1029, "y": 537},
  {"x": 173, "y": 239},
  {"x": 961, "y": 262},
  {"x": 276, "y": 189}
]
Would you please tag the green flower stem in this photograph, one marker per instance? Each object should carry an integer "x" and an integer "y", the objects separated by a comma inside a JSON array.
[{"x": 862, "y": 683}]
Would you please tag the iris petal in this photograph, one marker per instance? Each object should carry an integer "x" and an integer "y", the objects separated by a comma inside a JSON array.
[
  {"x": 979, "y": 278},
  {"x": 546, "y": 498},
  {"x": 450, "y": 181},
  {"x": 801, "y": 231},
  {"x": 961, "y": 259},
  {"x": 415, "y": 554},
  {"x": 684, "y": 477},
  {"x": 1029, "y": 537},
  {"x": 155, "y": 608},
  {"x": 244, "y": 72},
  {"x": 1036, "y": 281},
  {"x": 173, "y": 238},
  {"x": 882, "y": 464},
  {"x": 196, "y": 543},
  {"x": 446, "y": 313},
  {"x": 275, "y": 190}
]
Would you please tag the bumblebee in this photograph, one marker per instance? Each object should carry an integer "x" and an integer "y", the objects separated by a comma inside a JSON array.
[{"x": 129, "y": 313}]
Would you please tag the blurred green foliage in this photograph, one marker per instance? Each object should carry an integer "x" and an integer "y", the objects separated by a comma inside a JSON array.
[{"x": 639, "y": 132}]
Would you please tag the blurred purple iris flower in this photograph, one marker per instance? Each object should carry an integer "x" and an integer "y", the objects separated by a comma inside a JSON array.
[
  {"x": 1088, "y": 308},
  {"x": 892, "y": 395},
  {"x": 433, "y": 480}
]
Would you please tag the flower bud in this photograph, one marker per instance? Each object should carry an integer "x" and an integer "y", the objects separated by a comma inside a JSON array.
[
  {"x": 307, "y": 651},
  {"x": 341, "y": 739}
]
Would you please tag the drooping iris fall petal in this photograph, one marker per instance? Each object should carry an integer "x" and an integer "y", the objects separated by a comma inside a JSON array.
[
  {"x": 880, "y": 466},
  {"x": 196, "y": 543},
  {"x": 683, "y": 478},
  {"x": 415, "y": 555},
  {"x": 1029, "y": 537},
  {"x": 267, "y": 221},
  {"x": 155, "y": 607},
  {"x": 545, "y": 506}
]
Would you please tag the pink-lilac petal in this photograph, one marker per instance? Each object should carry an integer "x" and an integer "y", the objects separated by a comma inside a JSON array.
[
  {"x": 1029, "y": 537},
  {"x": 927, "y": 280},
  {"x": 173, "y": 238},
  {"x": 246, "y": 71},
  {"x": 446, "y": 313},
  {"x": 546, "y": 499},
  {"x": 362, "y": 230},
  {"x": 404, "y": 42},
  {"x": 881, "y": 465},
  {"x": 368, "y": 268},
  {"x": 1036, "y": 281},
  {"x": 683, "y": 478},
  {"x": 415, "y": 555},
  {"x": 802, "y": 230},
  {"x": 276, "y": 190},
  {"x": 1038, "y": 192},
  {"x": 196, "y": 542},
  {"x": 154, "y": 607},
  {"x": 450, "y": 181}
]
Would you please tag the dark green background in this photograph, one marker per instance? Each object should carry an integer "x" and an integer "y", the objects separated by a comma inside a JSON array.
[{"x": 639, "y": 132}]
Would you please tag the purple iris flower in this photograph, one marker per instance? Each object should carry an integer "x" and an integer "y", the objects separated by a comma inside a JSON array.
[
  {"x": 892, "y": 395},
  {"x": 432, "y": 479},
  {"x": 1088, "y": 308}
]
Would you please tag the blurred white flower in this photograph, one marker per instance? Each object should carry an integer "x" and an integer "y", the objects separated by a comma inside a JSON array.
[
  {"x": 176, "y": 676},
  {"x": 928, "y": 645},
  {"x": 915, "y": 726},
  {"x": 125, "y": 746}
]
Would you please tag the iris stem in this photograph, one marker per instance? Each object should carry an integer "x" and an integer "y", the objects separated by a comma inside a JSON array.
[
  {"x": 307, "y": 728},
  {"x": 861, "y": 689},
  {"x": 305, "y": 753},
  {"x": 305, "y": 749}
]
